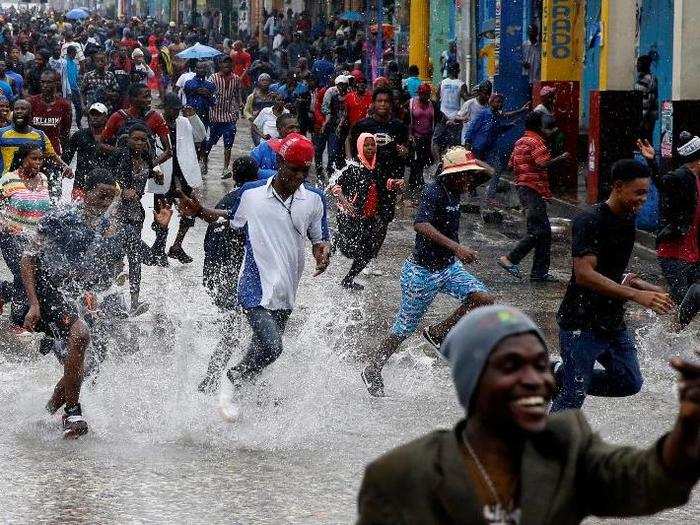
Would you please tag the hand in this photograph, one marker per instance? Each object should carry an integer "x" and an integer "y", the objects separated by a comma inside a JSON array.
[
  {"x": 337, "y": 191},
  {"x": 465, "y": 255},
  {"x": 68, "y": 173},
  {"x": 32, "y": 317},
  {"x": 158, "y": 175},
  {"x": 321, "y": 253},
  {"x": 646, "y": 149},
  {"x": 163, "y": 216},
  {"x": 188, "y": 111},
  {"x": 188, "y": 207},
  {"x": 660, "y": 303}
]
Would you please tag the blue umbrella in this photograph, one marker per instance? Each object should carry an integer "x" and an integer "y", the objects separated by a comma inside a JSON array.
[
  {"x": 352, "y": 16},
  {"x": 77, "y": 14},
  {"x": 199, "y": 51}
]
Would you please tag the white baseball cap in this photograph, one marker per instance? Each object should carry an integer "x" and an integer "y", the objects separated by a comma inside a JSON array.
[
  {"x": 342, "y": 79},
  {"x": 99, "y": 107},
  {"x": 136, "y": 53}
]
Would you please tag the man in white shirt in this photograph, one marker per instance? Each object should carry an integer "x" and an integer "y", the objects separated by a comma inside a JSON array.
[
  {"x": 265, "y": 124},
  {"x": 277, "y": 215},
  {"x": 452, "y": 91},
  {"x": 184, "y": 77},
  {"x": 472, "y": 107}
]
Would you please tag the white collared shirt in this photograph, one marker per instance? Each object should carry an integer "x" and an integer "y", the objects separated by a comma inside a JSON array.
[{"x": 276, "y": 234}]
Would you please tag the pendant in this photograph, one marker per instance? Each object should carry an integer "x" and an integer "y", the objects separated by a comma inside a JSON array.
[{"x": 497, "y": 515}]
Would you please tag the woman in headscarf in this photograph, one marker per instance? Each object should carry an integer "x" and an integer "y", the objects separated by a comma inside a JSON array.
[{"x": 359, "y": 227}]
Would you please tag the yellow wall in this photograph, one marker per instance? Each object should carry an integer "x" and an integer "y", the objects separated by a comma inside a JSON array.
[{"x": 562, "y": 39}]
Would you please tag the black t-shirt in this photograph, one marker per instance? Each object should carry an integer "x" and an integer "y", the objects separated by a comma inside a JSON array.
[
  {"x": 389, "y": 164},
  {"x": 610, "y": 238},
  {"x": 440, "y": 208}
]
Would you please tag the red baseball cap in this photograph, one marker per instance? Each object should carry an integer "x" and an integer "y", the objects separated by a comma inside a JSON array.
[{"x": 295, "y": 149}]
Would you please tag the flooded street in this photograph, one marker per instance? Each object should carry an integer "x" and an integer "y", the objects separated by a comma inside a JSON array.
[{"x": 158, "y": 451}]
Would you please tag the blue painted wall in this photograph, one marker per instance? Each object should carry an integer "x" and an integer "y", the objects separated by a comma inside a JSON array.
[
  {"x": 656, "y": 36},
  {"x": 591, "y": 64}
]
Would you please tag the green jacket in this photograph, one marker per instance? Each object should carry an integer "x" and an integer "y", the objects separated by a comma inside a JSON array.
[{"x": 568, "y": 473}]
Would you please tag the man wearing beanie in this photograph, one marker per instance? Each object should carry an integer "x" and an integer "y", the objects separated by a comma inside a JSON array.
[
  {"x": 509, "y": 462},
  {"x": 277, "y": 215},
  {"x": 591, "y": 316},
  {"x": 436, "y": 264}
]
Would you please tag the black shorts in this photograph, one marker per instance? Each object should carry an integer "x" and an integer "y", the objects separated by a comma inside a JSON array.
[{"x": 58, "y": 313}]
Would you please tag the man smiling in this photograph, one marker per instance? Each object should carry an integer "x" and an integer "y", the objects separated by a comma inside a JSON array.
[{"x": 509, "y": 462}]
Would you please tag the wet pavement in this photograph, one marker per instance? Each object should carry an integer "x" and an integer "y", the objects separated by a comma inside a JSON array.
[{"x": 158, "y": 452}]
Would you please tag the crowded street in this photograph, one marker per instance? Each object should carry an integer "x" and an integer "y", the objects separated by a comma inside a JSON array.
[{"x": 272, "y": 263}]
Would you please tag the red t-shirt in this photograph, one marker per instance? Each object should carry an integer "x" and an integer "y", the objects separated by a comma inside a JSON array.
[
  {"x": 687, "y": 248},
  {"x": 529, "y": 163},
  {"x": 155, "y": 122},
  {"x": 357, "y": 106},
  {"x": 241, "y": 62},
  {"x": 54, "y": 119}
]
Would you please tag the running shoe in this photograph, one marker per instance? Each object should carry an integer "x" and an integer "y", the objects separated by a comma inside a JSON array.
[
  {"x": 228, "y": 409},
  {"x": 372, "y": 378},
  {"x": 367, "y": 271},
  {"x": 352, "y": 285},
  {"x": 74, "y": 426},
  {"x": 434, "y": 342},
  {"x": 179, "y": 255}
]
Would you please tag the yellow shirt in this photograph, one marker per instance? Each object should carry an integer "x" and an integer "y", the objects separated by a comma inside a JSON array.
[{"x": 11, "y": 140}]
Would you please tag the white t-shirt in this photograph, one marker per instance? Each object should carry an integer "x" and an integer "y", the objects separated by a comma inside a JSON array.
[
  {"x": 470, "y": 109},
  {"x": 450, "y": 89},
  {"x": 266, "y": 121},
  {"x": 79, "y": 56},
  {"x": 181, "y": 84},
  {"x": 276, "y": 234}
]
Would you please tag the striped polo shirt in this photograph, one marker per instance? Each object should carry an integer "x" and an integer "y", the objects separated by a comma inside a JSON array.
[
  {"x": 21, "y": 207},
  {"x": 11, "y": 140},
  {"x": 228, "y": 98}
]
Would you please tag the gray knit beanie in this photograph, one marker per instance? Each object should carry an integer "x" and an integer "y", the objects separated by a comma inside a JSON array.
[{"x": 469, "y": 344}]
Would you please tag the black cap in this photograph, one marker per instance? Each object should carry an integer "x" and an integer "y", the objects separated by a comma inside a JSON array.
[{"x": 172, "y": 101}]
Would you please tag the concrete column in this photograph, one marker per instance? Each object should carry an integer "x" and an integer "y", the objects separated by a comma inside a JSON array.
[
  {"x": 466, "y": 39},
  {"x": 419, "y": 35},
  {"x": 686, "y": 50},
  {"x": 617, "y": 55}
]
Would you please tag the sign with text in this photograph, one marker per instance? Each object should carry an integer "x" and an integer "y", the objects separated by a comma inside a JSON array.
[{"x": 562, "y": 39}]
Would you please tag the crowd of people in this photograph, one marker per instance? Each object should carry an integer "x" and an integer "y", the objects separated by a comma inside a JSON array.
[{"x": 82, "y": 93}]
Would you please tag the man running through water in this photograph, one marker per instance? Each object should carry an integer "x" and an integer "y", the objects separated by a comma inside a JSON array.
[
  {"x": 436, "y": 264},
  {"x": 73, "y": 249},
  {"x": 592, "y": 315},
  {"x": 278, "y": 214}
]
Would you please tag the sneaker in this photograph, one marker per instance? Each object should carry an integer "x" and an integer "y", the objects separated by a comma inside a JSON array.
[
  {"x": 367, "y": 272},
  {"x": 372, "y": 379},
  {"x": 74, "y": 426},
  {"x": 227, "y": 174},
  {"x": 352, "y": 286},
  {"x": 546, "y": 278},
  {"x": 180, "y": 255},
  {"x": 228, "y": 409},
  {"x": 434, "y": 342},
  {"x": 376, "y": 273}
]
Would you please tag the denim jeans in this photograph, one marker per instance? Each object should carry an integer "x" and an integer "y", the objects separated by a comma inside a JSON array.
[
  {"x": 334, "y": 151},
  {"x": 580, "y": 349},
  {"x": 78, "y": 105},
  {"x": 539, "y": 233},
  {"x": 493, "y": 158},
  {"x": 266, "y": 344}
]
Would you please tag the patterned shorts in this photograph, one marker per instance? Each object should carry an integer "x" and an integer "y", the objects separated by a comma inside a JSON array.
[{"x": 420, "y": 286}]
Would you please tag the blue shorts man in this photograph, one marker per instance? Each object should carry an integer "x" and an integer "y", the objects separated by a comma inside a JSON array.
[{"x": 437, "y": 263}]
